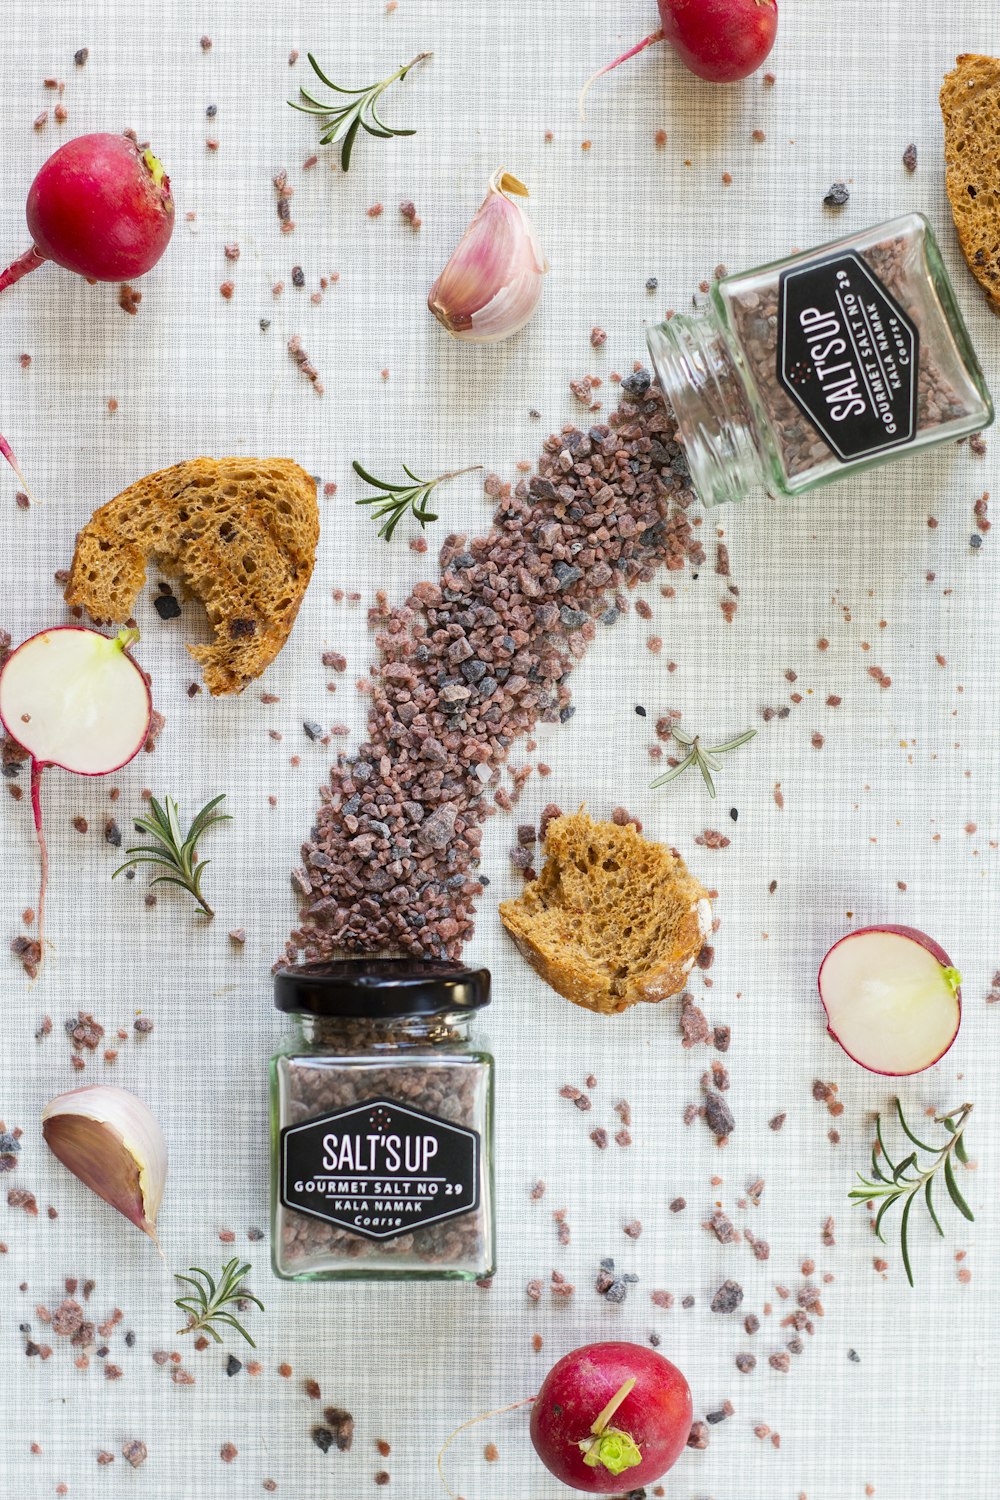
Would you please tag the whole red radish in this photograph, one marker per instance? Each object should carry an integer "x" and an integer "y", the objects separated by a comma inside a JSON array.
[
  {"x": 74, "y": 698},
  {"x": 721, "y": 41},
  {"x": 892, "y": 997},
  {"x": 100, "y": 206},
  {"x": 611, "y": 1417}
]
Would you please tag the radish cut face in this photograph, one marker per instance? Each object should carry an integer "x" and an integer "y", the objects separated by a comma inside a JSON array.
[
  {"x": 74, "y": 698},
  {"x": 892, "y": 999}
]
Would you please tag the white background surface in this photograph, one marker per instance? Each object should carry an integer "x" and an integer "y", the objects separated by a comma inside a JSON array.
[{"x": 887, "y": 799}]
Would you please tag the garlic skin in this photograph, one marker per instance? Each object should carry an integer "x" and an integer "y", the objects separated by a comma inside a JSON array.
[
  {"x": 491, "y": 285},
  {"x": 109, "y": 1139}
]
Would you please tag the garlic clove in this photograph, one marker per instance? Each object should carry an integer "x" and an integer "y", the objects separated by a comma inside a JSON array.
[
  {"x": 491, "y": 285},
  {"x": 109, "y": 1139}
]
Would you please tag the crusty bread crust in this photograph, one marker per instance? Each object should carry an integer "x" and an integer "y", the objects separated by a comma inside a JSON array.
[
  {"x": 240, "y": 533},
  {"x": 970, "y": 104},
  {"x": 613, "y": 919}
]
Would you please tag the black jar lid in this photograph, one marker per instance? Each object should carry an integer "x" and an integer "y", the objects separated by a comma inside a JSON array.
[{"x": 378, "y": 988}]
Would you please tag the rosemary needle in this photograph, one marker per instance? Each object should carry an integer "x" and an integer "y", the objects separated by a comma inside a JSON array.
[
  {"x": 891, "y": 1182},
  {"x": 394, "y": 500},
  {"x": 706, "y": 758},
  {"x": 343, "y": 121},
  {"x": 208, "y": 1303},
  {"x": 174, "y": 849}
]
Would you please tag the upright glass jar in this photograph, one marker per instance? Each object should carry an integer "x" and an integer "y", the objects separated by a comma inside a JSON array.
[
  {"x": 381, "y": 1124},
  {"x": 811, "y": 368}
]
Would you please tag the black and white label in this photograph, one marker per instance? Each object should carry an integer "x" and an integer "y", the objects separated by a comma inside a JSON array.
[
  {"x": 380, "y": 1169},
  {"x": 848, "y": 355}
]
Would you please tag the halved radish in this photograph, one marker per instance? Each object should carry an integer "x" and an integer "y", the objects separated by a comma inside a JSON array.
[
  {"x": 74, "y": 698},
  {"x": 892, "y": 998}
]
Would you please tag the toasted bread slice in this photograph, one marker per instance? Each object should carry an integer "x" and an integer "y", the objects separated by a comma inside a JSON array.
[
  {"x": 612, "y": 919},
  {"x": 970, "y": 104},
  {"x": 240, "y": 533}
]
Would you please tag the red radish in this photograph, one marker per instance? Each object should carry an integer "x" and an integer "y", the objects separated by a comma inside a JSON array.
[
  {"x": 74, "y": 698},
  {"x": 100, "y": 206},
  {"x": 604, "y": 1411},
  {"x": 721, "y": 41},
  {"x": 892, "y": 998},
  {"x": 611, "y": 1410}
]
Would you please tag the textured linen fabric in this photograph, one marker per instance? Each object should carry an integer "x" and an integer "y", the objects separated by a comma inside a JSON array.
[{"x": 893, "y": 818}]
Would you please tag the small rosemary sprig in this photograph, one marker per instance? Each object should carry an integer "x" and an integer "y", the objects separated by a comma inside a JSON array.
[
  {"x": 899, "y": 1185},
  {"x": 343, "y": 121},
  {"x": 394, "y": 500},
  {"x": 173, "y": 848},
  {"x": 207, "y": 1304},
  {"x": 705, "y": 758}
]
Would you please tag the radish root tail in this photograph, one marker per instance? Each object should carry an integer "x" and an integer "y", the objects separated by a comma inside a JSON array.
[
  {"x": 29, "y": 261},
  {"x": 648, "y": 41},
  {"x": 43, "y": 852},
  {"x": 7, "y": 452},
  {"x": 482, "y": 1417}
]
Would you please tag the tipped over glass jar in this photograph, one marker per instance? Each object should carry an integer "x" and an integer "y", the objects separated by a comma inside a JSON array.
[
  {"x": 381, "y": 1124},
  {"x": 812, "y": 368}
]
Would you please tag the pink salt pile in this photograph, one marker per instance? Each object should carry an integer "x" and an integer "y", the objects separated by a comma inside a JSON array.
[{"x": 470, "y": 664}]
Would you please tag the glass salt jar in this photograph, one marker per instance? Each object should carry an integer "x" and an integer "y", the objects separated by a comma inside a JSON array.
[
  {"x": 812, "y": 368},
  {"x": 381, "y": 1124}
]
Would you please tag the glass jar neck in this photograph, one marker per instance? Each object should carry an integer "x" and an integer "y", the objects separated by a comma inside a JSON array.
[
  {"x": 700, "y": 379},
  {"x": 385, "y": 1034}
]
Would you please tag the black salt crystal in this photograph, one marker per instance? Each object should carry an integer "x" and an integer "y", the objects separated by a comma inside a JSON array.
[{"x": 167, "y": 607}]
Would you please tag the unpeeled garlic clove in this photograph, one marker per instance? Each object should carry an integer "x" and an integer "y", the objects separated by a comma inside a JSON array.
[
  {"x": 491, "y": 285},
  {"x": 113, "y": 1143}
]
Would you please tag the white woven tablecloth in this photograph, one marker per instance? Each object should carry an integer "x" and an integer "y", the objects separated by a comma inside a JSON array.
[{"x": 894, "y": 818}]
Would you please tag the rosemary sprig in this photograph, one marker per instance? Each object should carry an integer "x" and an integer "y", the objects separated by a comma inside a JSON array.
[
  {"x": 343, "y": 121},
  {"x": 892, "y": 1183},
  {"x": 705, "y": 758},
  {"x": 173, "y": 848},
  {"x": 207, "y": 1304},
  {"x": 396, "y": 499}
]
